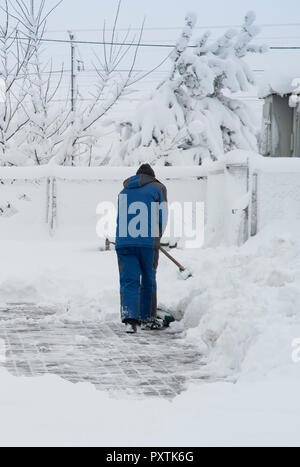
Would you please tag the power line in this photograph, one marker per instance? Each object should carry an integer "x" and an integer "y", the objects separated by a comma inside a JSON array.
[
  {"x": 92, "y": 70},
  {"x": 136, "y": 44},
  {"x": 269, "y": 38},
  {"x": 264, "y": 38},
  {"x": 133, "y": 99},
  {"x": 176, "y": 28},
  {"x": 285, "y": 48}
]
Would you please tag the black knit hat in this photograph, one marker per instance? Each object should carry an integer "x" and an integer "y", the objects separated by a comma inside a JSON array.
[{"x": 146, "y": 169}]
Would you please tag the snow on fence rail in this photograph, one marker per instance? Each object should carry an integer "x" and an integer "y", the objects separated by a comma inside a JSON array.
[{"x": 98, "y": 173}]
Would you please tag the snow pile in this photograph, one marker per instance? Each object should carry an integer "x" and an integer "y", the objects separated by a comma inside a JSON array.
[
  {"x": 76, "y": 278},
  {"x": 50, "y": 412},
  {"x": 243, "y": 305}
]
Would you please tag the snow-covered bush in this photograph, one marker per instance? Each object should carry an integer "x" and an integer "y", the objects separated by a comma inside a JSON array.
[
  {"x": 30, "y": 127},
  {"x": 193, "y": 114}
]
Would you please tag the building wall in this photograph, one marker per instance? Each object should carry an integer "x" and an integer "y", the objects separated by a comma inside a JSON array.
[
  {"x": 296, "y": 133},
  {"x": 280, "y": 126}
]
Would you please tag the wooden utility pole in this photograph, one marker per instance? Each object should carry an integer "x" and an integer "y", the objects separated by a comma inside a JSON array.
[{"x": 73, "y": 72}]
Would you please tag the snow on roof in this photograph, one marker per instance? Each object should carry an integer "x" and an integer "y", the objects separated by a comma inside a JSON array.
[{"x": 278, "y": 82}]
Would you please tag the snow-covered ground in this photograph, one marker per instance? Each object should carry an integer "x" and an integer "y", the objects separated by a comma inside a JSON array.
[
  {"x": 242, "y": 308},
  {"x": 48, "y": 411}
]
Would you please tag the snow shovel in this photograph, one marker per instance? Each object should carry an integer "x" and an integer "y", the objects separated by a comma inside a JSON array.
[{"x": 184, "y": 272}]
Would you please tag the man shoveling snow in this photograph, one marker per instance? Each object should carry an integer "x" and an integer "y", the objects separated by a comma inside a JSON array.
[{"x": 142, "y": 219}]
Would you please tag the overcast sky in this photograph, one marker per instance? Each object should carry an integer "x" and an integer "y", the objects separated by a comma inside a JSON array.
[
  {"x": 164, "y": 18},
  {"x": 80, "y": 14},
  {"x": 86, "y": 16}
]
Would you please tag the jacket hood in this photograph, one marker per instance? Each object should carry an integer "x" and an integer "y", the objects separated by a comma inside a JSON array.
[{"x": 138, "y": 181}]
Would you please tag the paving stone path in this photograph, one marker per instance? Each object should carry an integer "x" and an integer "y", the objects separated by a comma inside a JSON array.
[{"x": 149, "y": 364}]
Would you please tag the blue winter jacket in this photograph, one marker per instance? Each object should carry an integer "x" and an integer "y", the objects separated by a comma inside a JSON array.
[{"x": 142, "y": 212}]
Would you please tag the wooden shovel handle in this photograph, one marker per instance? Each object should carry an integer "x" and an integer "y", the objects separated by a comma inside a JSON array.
[
  {"x": 172, "y": 259},
  {"x": 182, "y": 269}
]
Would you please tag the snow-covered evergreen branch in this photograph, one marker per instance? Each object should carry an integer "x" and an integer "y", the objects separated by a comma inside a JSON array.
[{"x": 194, "y": 114}]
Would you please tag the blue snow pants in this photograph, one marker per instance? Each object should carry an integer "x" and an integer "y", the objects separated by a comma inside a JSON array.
[{"x": 137, "y": 266}]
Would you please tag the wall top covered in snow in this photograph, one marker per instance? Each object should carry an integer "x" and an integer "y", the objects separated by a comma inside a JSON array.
[
  {"x": 102, "y": 173},
  {"x": 276, "y": 164},
  {"x": 109, "y": 173},
  {"x": 277, "y": 82},
  {"x": 265, "y": 164}
]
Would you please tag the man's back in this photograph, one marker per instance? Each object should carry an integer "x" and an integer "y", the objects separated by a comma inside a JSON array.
[
  {"x": 142, "y": 218},
  {"x": 142, "y": 213}
]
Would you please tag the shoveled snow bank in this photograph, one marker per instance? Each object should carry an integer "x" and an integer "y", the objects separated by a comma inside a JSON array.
[
  {"x": 243, "y": 305},
  {"x": 50, "y": 412},
  {"x": 77, "y": 278}
]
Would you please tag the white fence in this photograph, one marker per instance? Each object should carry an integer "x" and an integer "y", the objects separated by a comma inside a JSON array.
[
  {"x": 62, "y": 202},
  {"x": 275, "y": 192},
  {"x": 240, "y": 198},
  {"x": 226, "y": 204},
  {"x": 244, "y": 197},
  {"x": 23, "y": 213}
]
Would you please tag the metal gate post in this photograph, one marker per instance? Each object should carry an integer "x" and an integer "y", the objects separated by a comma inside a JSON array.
[
  {"x": 51, "y": 205},
  {"x": 242, "y": 173},
  {"x": 254, "y": 205}
]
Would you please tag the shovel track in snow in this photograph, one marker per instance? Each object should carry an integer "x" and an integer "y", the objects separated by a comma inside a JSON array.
[{"x": 148, "y": 364}]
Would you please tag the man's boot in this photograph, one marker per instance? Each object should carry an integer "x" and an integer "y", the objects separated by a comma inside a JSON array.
[{"x": 132, "y": 326}]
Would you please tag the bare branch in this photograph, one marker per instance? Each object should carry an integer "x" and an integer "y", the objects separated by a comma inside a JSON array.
[
  {"x": 51, "y": 11},
  {"x": 114, "y": 29}
]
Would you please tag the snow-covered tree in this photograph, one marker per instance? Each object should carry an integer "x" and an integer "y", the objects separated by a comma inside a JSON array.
[
  {"x": 14, "y": 56},
  {"x": 34, "y": 128},
  {"x": 193, "y": 114},
  {"x": 29, "y": 127},
  {"x": 111, "y": 85},
  {"x": 47, "y": 120}
]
